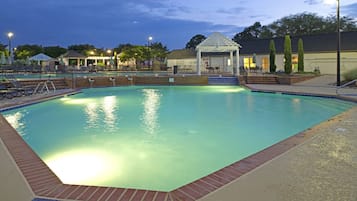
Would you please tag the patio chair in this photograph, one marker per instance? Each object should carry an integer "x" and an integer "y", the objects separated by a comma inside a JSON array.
[
  {"x": 20, "y": 88},
  {"x": 7, "y": 92}
]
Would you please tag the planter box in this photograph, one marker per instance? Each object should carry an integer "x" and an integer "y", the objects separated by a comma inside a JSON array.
[{"x": 291, "y": 79}]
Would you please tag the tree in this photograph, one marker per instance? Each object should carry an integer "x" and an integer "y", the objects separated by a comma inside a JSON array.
[
  {"x": 272, "y": 65},
  {"x": 54, "y": 51},
  {"x": 139, "y": 53},
  {"x": 346, "y": 24},
  {"x": 300, "y": 24},
  {"x": 2, "y": 47},
  {"x": 300, "y": 55},
  {"x": 25, "y": 51},
  {"x": 287, "y": 55},
  {"x": 295, "y": 25},
  {"x": 3, "y": 51},
  {"x": 196, "y": 40},
  {"x": 266, "y": 32},
  {"x": 249, "y": 33},
  {"x": 86, "y": 49},
  {"x": 158, "y": 51},
  {"x": 121, "y": 47}
]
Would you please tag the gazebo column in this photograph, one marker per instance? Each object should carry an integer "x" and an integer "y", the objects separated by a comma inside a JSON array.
[
  {"x": 237, "y": 67},
  {"x": 231, "y": 65},
  {"x": 198, "y": 56}
]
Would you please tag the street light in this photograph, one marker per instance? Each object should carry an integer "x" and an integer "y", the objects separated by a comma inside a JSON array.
[
  {"x": 338, "y": 45},
  {"x": 111, "y": 62},
  {"x": 149, "y": 40},
  {"x": 149, "y": 53},
  {"x": 10, "y": 35}
]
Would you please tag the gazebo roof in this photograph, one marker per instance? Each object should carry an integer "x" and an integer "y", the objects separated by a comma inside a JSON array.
[
  {"x": 217, "y": 42},
  {"x": 40, "y": 57}
]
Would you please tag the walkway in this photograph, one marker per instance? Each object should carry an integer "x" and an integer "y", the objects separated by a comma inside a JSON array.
[{"x": 323, "y": 86}]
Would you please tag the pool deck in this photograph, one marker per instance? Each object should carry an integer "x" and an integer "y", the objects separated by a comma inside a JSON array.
[{"x": 317, "y": 164}]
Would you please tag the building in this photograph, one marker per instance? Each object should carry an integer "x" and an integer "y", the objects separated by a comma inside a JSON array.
[
  {"x": 216, "y": 53},
  {"x": 78, "y": 61},
  {"x": 319, "y": 54}
]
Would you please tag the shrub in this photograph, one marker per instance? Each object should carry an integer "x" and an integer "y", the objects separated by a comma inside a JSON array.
[
  {"x": 350, "y": 75},
  {"x": 301, "y": 56},
  {"x": 287, "y": 55},
  {"x": 272, "y": 66}
]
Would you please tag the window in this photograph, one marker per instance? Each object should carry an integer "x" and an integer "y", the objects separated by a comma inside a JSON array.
[
  {"x": 265, "y": 64},
  {"x": 248, "y": 62},
  {"x": 294, "y": 62}
]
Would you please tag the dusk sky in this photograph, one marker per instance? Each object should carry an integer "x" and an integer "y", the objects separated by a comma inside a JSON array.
[{"x": 108, "y": 23}]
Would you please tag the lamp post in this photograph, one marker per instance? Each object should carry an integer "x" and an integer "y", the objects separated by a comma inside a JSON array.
[
  {"x": 338, "y": 83},
  {"x": 111, "y": 63},
  {"x": 149, "y": 53},
  {"x": 10, "y": 35}
]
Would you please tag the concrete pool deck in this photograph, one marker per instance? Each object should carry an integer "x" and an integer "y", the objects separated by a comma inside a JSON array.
[{"x": 321, "y": 168}]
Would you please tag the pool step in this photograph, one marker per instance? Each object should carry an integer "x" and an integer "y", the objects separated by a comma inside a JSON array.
[{"x": 223, "y": 81}]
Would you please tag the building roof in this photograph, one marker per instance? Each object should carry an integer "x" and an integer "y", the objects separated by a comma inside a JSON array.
[
  {"x": 312, "y": 43},
  {"x": 40, "y": 57},
  {"x": 72, "y": 54},
  {"x": 217, "y": 42},
  {"x": 182, "y": 54}
]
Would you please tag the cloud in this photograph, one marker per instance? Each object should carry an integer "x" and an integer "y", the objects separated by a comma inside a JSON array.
[
  {"x": 213, "y": 12},
  {"x": 350, "y": 10},
  {"x": 313, "y": 2},
  {"x": 231, "y": 10}
]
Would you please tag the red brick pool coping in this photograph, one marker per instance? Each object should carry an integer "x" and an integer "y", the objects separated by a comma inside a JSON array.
[{"x": 45, "y": 184}]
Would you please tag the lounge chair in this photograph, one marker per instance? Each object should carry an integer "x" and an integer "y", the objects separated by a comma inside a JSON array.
[
  {"x": 20, "y": 88},
  {"x": 6, "y": 92}
]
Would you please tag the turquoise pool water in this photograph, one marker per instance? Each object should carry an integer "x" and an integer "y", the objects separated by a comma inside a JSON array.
[{"x": 161, "y": 137}]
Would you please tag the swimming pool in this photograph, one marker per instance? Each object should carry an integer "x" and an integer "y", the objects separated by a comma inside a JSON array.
[{"x": 161, "y": 137}]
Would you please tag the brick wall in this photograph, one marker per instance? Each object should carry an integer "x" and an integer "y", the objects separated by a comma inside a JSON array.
[{"x": 136, "y": 80}]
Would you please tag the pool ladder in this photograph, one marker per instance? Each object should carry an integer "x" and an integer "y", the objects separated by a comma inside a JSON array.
[
  {"x": 44, "y": 86},
  {"x": 112, "y": 79},
  {"x": 345, "y": 85},
  {"x": 91, "y": 81}
]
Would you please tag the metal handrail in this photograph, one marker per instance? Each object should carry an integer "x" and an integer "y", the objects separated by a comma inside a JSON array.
[
  {"x": 345, "y": 85},
  {"x": 44, "y": 86}
]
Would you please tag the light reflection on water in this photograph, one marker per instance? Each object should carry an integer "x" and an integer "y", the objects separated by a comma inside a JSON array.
[
  {"x": 92, "y": 115},
  {"x": 17, "y": 122},
  {"x": 91, "y": 166},
  {"x": 151, "y": 105},
  {"x": 109, "y": 107}
]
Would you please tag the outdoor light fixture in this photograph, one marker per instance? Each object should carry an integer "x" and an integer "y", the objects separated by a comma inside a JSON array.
[
  {"x": 10, "y": 35},
  {"x": 111, "y": 61},
  {"x": 150, "y": 38}
]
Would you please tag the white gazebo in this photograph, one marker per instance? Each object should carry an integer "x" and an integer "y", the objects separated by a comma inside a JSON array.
[{"x": 218, "y": 43}]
